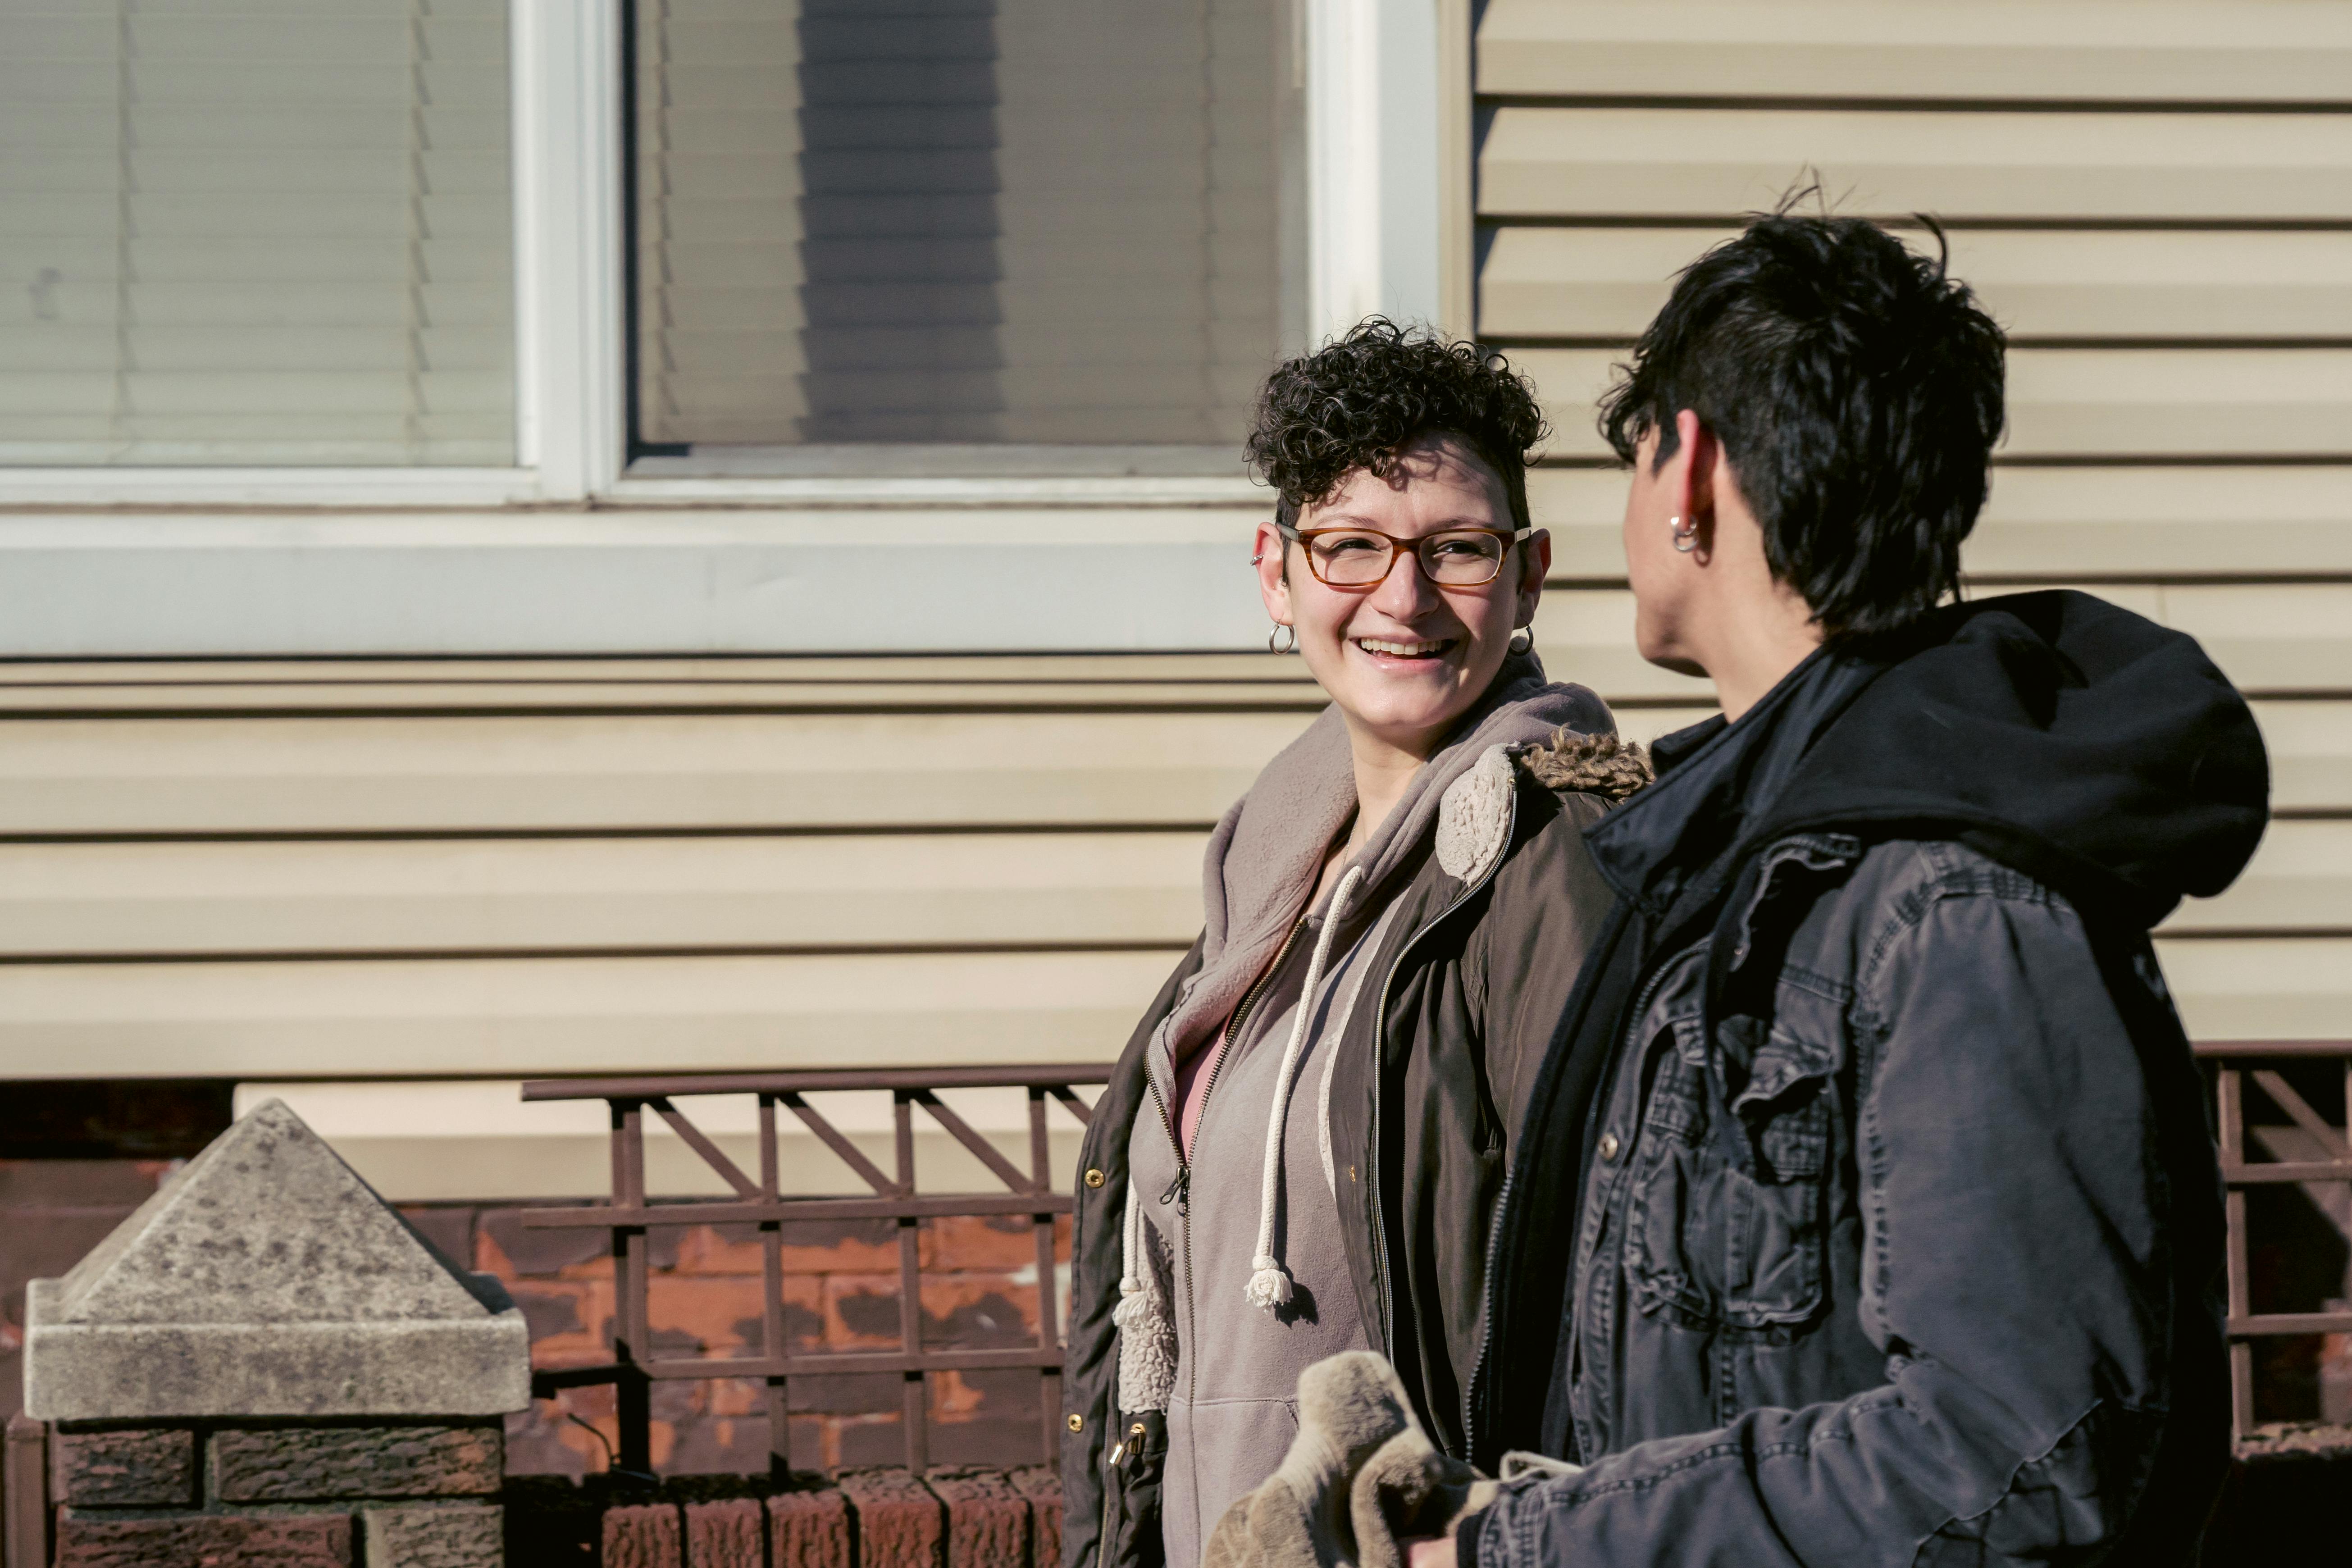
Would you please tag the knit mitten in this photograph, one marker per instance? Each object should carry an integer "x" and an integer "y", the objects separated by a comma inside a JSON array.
[{"x": 1354, "y": 1421}]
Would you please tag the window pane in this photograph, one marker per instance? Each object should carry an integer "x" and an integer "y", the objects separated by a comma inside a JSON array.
[
  {"x": 255, "y": 232},
  {"x": 1041, "y": 222}
]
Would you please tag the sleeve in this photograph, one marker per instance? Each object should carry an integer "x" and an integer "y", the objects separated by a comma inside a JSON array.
[
  {"x": 1548, "y": 910},
  {"x": 2016, "y": 1273}
]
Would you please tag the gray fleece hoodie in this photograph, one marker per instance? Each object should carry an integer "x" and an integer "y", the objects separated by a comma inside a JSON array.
[{"x": 1237, "y": 1280}]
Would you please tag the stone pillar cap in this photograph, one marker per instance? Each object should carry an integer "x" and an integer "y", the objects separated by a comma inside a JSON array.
[{"x": 267, "y": 1278}]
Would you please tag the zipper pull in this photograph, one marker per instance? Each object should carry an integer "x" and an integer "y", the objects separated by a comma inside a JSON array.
[
  {"x": 1133, "y": 1440},
  {"x": 1180, "y": 1191}
]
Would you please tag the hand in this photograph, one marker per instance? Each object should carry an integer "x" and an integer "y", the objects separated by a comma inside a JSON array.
[{"x": 1430, "y": 1551}]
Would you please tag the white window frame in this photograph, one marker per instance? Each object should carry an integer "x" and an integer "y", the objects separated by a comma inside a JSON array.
[{"x": 1381, "y": 233}]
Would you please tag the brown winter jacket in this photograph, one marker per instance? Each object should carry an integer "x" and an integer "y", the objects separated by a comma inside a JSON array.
[{"x": 1472, "y": 978}]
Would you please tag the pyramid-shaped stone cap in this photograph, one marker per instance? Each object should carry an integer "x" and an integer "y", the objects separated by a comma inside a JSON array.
[{"x": 267, "y": 1278}]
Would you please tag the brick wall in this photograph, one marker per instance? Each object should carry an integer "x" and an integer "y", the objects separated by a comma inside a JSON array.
[
  {"x": 394, "y": 1495},
  {"x": 841, "y": 1290},
  {"x": 950, "y": 1517}
]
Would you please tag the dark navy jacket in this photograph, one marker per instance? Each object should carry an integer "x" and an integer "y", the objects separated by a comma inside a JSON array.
[{"x": 1865, "y": 1210}]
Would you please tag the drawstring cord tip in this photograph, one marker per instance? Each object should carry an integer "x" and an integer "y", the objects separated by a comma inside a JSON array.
[{"x": 1269, "y": 1287}]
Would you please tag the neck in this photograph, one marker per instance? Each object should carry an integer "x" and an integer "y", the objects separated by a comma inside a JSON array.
[
  {"x": 1383, "y": 772},
  {"x": 1754, "y": 645}
]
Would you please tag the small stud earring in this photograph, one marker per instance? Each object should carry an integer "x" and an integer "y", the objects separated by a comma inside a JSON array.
[{"x": 1686, "y": 539}]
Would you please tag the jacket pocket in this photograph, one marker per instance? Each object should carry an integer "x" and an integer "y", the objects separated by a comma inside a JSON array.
[
  {"x": 1724, "y": 1227},
  {"x": 1131, "y": 1481}
]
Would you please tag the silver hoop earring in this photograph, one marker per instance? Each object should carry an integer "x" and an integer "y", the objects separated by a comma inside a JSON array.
[
  {"x": 1284, "y": 630},
  {"x": 1523, "y": 642},
  {"x": 1686, "y": 539}
]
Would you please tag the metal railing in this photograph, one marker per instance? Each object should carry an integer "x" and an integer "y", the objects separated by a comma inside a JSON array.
[
  {"x": 2234, "y": 1060},
  {"x": 631, "y": 1212}
]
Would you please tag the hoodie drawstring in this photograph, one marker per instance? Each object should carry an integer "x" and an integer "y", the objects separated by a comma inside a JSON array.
[{"x": 1269, "y": 1282}]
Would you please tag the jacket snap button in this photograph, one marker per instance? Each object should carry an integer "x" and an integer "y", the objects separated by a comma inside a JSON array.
[
  {"x": 1609, "y": 1145},
  {"x": 1094, "y": 1179},
  {"x": 1078, "y": 1423}
]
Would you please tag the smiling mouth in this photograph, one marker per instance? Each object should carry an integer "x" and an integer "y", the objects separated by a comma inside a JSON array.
[{"x": 1397, "y": 648}]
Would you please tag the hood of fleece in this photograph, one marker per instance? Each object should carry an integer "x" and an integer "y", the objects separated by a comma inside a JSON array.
[
  {"x": 2086, "y": 745},
  {"x": 1268, "y": 850}
]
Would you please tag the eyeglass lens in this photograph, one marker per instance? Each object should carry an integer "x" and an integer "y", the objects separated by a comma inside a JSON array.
[{"x": 1352, "y": 560}]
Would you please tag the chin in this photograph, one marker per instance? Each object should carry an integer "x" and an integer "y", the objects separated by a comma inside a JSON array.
[{"x": 1410, "y": 714}]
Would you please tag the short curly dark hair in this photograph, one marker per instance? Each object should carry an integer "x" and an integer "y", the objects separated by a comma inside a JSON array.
[{"x": 1358, "y": 401}]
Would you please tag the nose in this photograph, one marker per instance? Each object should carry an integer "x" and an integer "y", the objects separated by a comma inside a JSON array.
[{"x": 1406, "y": 592}]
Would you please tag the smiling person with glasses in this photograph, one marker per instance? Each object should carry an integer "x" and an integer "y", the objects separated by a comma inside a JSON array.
[{"x": 1303, "y": 1143}]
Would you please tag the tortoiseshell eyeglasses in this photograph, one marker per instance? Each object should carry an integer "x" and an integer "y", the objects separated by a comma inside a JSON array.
[{"x": 1363, "y": 557}]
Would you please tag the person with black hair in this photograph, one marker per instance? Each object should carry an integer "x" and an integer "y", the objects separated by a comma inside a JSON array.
[
  {"x": 1864, "y": 1210},
  {"x": 1298, "y": 1151}
]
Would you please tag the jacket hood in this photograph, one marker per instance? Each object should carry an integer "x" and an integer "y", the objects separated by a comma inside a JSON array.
[
  {"x": 1267, "y": 851},
  {"x": 2085, "y": 746}
]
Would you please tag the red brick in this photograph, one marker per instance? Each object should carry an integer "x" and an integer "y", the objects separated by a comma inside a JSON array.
[
  {"x": 724, "y": 1534},
  {"x": 289, "y": 1464},
  {"x": 988, "y": 1520},
  {"x": 642, "y": 1535},
  {"x": 994, "y": 1242},
  {"x": 900, "y": 1523},
  {"x": 810, "y": 1529},
  {"x": 1042, "y": 1485},
  {"x": 149, "y": 1467},
  {"x": 205, "y": 1541}
]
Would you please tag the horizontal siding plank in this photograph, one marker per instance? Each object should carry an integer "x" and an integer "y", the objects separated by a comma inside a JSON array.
[
  {"x": 357, "y": 681},
  {"x": 425, "y": 1167},
  {"x": 540, "y": 895},
  {"x": 2177, "y": 405},
  {"x": 2282, "y": 988},
  {"x": 2284, "y": 638},
  {"x": 2056, "y": 524},
  {"x": 519, "y": 1017},
  {"x": 2300, "y": 879},
  {"x": 1717, "y": 163},
  {"x": 636, "y": 772},
  {"x": 481, "y": 1140},
  {"x": 2101, "y": 50},
  {"x": 534, "y": 1017},
  {"x": 1272, "y": 685},
  {"x": 1609, "y": 282},
  {"x": 2310, "y": 746},
  {"x": 1011, "y": 890},
  {"x": 640, "y": 773}
]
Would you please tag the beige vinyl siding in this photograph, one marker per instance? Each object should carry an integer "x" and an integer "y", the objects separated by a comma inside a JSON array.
[{"x": 2155, "y": 200}]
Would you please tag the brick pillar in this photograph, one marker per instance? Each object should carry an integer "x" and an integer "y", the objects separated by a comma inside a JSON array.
[{"x": 265, "y": 1364}]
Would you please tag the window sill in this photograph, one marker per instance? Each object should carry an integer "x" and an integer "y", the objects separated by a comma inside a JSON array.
[{"x": 146, "y": 489}]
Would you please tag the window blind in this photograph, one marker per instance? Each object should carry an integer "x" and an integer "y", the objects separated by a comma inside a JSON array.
[
  {"x": 1045, "y": 222},
  {"x": 255, "y": 232}
]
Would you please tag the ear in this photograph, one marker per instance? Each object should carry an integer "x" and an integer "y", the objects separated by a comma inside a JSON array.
[
  {"x": 1695, "y": 469},
  {"x": 1535, "y": 556},
  {"x": 1267, "y": 549}
]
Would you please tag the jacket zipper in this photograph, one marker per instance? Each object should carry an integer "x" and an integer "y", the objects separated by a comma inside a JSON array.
[
  {"x": 1600, "y": 1092},
  {"x": 1379, "y": 1052},
  {"x": 1180, "y": 1189}
]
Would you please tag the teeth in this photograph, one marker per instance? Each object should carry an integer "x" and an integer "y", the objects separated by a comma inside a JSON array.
[{"x": 1402, "y": 649}]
